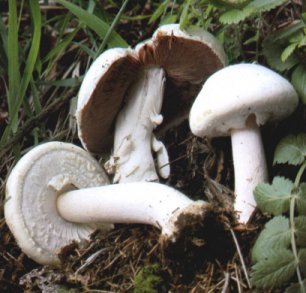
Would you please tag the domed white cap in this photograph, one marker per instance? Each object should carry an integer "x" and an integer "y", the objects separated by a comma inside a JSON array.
[{"x": 235, "y": 92}]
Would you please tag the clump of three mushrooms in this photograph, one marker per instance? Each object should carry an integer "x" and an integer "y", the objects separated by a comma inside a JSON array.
[{"x": 56, "y": 193}]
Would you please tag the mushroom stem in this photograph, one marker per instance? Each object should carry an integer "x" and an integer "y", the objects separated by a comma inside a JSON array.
[
  {"x": 148, "y": 203},
  {"x": 249, "y": 166},
  {"x": 132, "y": 158}
]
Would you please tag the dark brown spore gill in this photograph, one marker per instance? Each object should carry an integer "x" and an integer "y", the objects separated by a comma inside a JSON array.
[
  {"x": 184, "y": 60},
  {"x": 188, "y": 63},
  {"x": 98, "y": 116}
]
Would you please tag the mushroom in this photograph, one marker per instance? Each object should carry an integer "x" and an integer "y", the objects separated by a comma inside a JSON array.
[
  {"x": 235, "y": 101},
  {"x": 125, "y": 88},
  {"x": 56, "y": 193}
]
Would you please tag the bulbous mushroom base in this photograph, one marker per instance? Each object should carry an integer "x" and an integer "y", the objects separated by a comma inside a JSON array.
[{"x": 200, "y": 233}]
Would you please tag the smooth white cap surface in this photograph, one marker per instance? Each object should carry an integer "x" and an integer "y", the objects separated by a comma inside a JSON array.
[
  {"x": 235, "y": 92},
  {"x": 31, "y": 195}
]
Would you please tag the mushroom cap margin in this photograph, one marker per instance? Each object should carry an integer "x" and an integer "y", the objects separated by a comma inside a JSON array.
[
  {"x": 101, "y": 95},
  {"x": 29, "y": 199},
  {"x": 235, "y": 92}
]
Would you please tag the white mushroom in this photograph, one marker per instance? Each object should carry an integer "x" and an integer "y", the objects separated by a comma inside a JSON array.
[
  {"x": 235, "y": 101},
  {"x": 51, "y": 200},
  {"x": 128, "y": 91}
]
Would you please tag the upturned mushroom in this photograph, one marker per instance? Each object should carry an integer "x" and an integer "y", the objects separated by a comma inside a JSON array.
[
  {"x": 235, "y": 101},
  {"x": 135, "y": 89},
  {"x": 56, "y": 193}
]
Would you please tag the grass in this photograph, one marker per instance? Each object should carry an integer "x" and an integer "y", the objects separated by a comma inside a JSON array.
[{"x": 46, "y": 49}]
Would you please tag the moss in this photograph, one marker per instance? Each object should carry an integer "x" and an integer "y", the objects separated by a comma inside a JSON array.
[{"x": 150, "y": 280}]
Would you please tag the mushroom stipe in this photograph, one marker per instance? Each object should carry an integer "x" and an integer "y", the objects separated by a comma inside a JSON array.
[{"x": 57, "y": 194}]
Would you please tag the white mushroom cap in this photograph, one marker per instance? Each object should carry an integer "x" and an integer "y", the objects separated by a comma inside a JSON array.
[
  {"x": 31, "y": 194},
  {"x": 233, "y": 93},
  {"x": 194, "y": 34},
  {"x": 187, "y": 60},
  {"x": 101, "y": 95}
]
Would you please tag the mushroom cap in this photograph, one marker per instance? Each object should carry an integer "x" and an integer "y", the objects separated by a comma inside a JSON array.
[
  {"x": 187, "y": 57},
  {"x": 101, "y": 96},
  {"x": 233, "y": 93},
  {"x": 31, "y": 198}
]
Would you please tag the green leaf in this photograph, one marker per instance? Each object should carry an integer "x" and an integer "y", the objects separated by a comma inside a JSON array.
[
  {"x": 68, "y": 82},
  {"x": 95, "y": 23},
  {"x": 13, "y": 58},
  {"x": 264, "y": 5},
  {"x": 288, "y": 51},
  {"x": 112, "y": 28},
  {"x": 296, "y": 288},
  {"x": 298, "y": 80},
  {"x": 61, "y": 46},
  {"x": 184, "y": 18},
  {"x": 3, "y": 42},
  {"x": 273, "y": 50},
  {"x": 257, "y": 6},
  {"x": 302, "y": 42},
  {"x": 230, "y": 3},
  {"x": 302, "y": 260},
  {"x": 283, "y": 35},
  {"x": 30, "y": 62},
  {"x": 275, "y": 235},
  {"x": 301, "y": 199},
  {"x": 234, "y": 16},
  {"x": 161, "y": 9},
  {"x": 272, "y": 272},
  {"x": 274, "y": 198},
  {"x": 300, "y": 226},
  {"x": 291, "y": 150}
]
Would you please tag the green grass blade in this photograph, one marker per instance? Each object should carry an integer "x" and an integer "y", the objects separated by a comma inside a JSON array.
[
  {"x": 13, "y": 58},
  {"x": 159, "y": 11},
  {"x": 184, "y": 19},
  {"x": 61, "y": 46},
  {"x": 68, "y": 82},
  {"x": 30, "y": 62},
  {"x": 96, "y": 24},
  {"x": 111, "y": 28},
  {"x": 3, "y": 43},
  {"x": 36, "y": 100}
]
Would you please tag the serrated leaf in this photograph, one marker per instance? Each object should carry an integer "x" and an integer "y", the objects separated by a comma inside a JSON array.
[
  {"x": 301, "y": 199},
  {"x": 297, "y": 288},
  {"x": 300, "y": 225},
  {"x": 291, "y": 150},
  {"x": 275, "y": 235},
  {"x": 264, "y": 5},
  {"x": 272, "y": 272},
  {"x": 274, "y": 198},
  {"x": 284, "y": 34},
  {"x": 288, "y": 51},
  {"x": 234, "y": 16},
  {"x": 273, "y": 50},
  {"x": 298, "y": 80},
  {"x": 230, "y": 3},
  {"x": 302, "y": 260},
  {"x": 302, "y": 42},
  {"x": 257, "y": 6}
]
